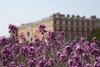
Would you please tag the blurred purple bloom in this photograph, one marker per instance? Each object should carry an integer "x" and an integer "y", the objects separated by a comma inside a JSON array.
[
  {"x": 83, "y": 39},
  {"x": 58, "y": 54},
  {"x": 96, "y": 64},
  {"x": 50, "y": 36},
  {"x": 12, "y": 29},
  {"x": 94, "y": 39},
  {"x": 62, "y": 58},
  {"x": 76, "y": 58},
  {"x": 28, "y": 33},
  {"x": 95, "y": 52},
  {"x": 21, "y": 65},
  {"x": 31, "y": 52},
  {"x": 42, "y": 29},
  {"x": 41, "y": 63},
  {"x": 12, "y": 64},
  {"x": 88, "y": 65},
  {"x": 3, "y": 41},
  {"x": 50, "y": 61},
  {"x": 71, "y": 62},
  {"x": 31, "y": 63},
  {"x": 68, "y": 49},
  {"x": 79, "y": 49}
]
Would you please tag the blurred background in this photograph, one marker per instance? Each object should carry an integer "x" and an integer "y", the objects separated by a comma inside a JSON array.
[{"x": 19, "y": 12}]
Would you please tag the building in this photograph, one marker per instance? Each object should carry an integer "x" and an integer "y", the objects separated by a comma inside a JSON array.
[{"x": 74, "y": 26}]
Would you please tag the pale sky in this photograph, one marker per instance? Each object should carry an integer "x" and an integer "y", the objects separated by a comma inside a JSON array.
[{"x": 25, "y": 11}]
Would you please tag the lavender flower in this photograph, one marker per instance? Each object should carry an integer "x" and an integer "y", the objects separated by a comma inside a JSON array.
[
  {"x": 71, "y": 62},
  {"x": 79, "y": 49},
  {"x": 42, "y": 29},
  {"x": 12, "y": 29},
  {"x": 68, "y": 49},
  {"x": 31, "y": 63},
  {"x": 88, "y": 65},
  {"x": 31, "y": 52},
  {"x": 83, "y": 39},
  {"x": 12, "y": 64},
  {"x": 96, "y": 64},
  {"x": 51, "y": 61},
  {"x": 95, "y": 52}
]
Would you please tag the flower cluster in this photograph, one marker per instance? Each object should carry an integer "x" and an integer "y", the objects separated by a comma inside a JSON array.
[
  {"x": 12, "y": 30},
  {"x": 54, "y": 52},
  {"x": 42, "y": 28}
]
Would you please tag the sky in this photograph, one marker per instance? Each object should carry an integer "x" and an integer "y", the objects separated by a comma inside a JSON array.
[{"x": 19, "y": 12}]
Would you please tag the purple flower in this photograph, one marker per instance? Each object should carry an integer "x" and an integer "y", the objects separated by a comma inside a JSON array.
[
  {"x": 62, "y": 33},
  {"x": 95, "y": 52},
  {"x": 3, "y": 41},
  {"x": 12, "y": 29},
  {"x": 12, "y": 64},
  {"x": 58, "y": 54},
  {"x": 71, "y": 62},
  {"x": 21, "y": 65},
  {"x": 94, "y": 39},
  {"x": 30, "y": 44},
  {"x": 28, "y": 33},
  {"x": 41, "y": 63},
  {"x": 51, "y": 61},
  {"x": 24, "y": 50},
  {"x": 62, "y": 58},
  {"x": 93, "y": 46},
  {"x": 88, "y": 65},
  {"x": 42, "y": 29},
  {"x": 85, "y": 56},
  {"x": 96, "y": 64},
  {"x": 75, "y": 57},
  {"x": 79, "y": 49},
  {"x": 31, "y": 63},
  {"x": 22, "y": 37},
  {"x": 68, "y": 49},
  {"x": 83, "y": 39},
  {"x": 31, "y": 52},
  {"x": 50, "y": 36}
]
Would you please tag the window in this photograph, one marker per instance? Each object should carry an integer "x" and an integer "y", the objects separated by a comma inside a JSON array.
[
  {"x": 99, "y": 24},
  {"x": 74, "y": 35},
  {"x": 69, "y": 23},
  {"x": 69, "y": 28},
  {"x": 63, "y": 22},
  {"x": 74, "y": 28},
  {"x": 90, "y": 29},
  {"x": 85, "y": 23},
  {"x": 51, "y": 23},
  {"x": 74, "y": 23},
  {"x": 79, "y": 34},
  {"x": 85, "y": 34},
  {"x": 80, "y": 23},
  {"x": 85, "y": 29},
  {"x": 80, "y": 28},
  {"x": 57, "y": 22},
  {"x": 68, "y": 35},
  {"x": 90, "y": 23},
  {"x": 63, "y": 28},
  {"x": 95, "y": 24},
  {"x": 57, "y": 27}
]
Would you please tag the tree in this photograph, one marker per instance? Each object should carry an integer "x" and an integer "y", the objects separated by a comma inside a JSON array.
[{"x": 94, "y": 33}]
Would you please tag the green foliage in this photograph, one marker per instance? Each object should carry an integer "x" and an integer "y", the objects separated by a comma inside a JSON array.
[{"x": 94, "y": 33}]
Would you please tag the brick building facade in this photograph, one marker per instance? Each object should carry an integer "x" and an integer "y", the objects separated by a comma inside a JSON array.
[{"x": 74, "y": 26}]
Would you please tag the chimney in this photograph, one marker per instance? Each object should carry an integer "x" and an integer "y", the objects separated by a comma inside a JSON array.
[
  {"x": 73, "y": 16},
  {"x": 68, "y": 15}
]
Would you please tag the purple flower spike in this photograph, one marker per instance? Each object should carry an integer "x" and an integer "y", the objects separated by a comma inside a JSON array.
[{"x": 12, "y": 64}]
